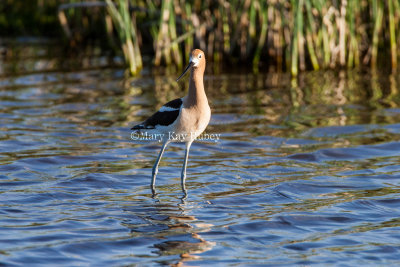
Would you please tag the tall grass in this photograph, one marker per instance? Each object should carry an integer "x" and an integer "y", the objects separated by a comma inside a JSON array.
[
  {"x": 290, "y": 35},
  {"x": 125, "y": 24}
]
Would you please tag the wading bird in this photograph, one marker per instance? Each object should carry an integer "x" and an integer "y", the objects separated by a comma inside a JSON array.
[{"x": 182, "y": 119}]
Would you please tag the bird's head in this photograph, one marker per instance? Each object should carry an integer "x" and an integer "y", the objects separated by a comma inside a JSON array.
[{"x": 197, "y": 61}]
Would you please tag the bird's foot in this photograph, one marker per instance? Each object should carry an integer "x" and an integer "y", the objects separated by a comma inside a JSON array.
[{"x": 153, "y": 191}]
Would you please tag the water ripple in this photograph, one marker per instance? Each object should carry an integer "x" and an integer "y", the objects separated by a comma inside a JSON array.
[{"x": 291, "y": 181}]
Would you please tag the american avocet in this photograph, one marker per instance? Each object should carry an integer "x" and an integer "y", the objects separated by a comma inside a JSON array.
[{"x": 182, "y": 119}]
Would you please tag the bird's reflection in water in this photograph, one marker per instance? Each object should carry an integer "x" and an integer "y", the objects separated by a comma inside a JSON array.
[
  {"x": 186, "y": 249},
  {"x": 177, "y": 231}
]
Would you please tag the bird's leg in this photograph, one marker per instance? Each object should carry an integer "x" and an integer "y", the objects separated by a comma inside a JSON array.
[
  {"x": 155, "y": 167},
  {"x": 183, "y": 176}
]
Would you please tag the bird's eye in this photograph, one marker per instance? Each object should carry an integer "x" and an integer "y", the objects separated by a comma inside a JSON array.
[{"x": 200, "y": 56}]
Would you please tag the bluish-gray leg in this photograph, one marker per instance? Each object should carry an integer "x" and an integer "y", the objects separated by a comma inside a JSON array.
[
  {"x": 155, "y": 167},
  {"x": 183, "y": 176}
]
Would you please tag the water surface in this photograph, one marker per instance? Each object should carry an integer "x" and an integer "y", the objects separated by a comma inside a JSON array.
[{"x": 306, "y": 171}]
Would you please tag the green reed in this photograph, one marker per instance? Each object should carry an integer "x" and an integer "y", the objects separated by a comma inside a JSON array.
[
  {"x": 285, "y": 35},
  {"x": 125, "y": 25}
]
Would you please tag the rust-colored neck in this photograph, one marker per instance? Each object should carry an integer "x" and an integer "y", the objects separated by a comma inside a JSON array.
[{"x": 196, "y": 95}]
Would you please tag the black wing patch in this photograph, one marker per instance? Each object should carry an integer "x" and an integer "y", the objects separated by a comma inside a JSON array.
[
  {"x": 177, "y": 103},
  {"x": 164, "y": 118}
]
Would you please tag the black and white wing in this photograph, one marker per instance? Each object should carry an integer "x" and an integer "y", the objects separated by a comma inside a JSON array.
[{"x": 164, "y": 117}]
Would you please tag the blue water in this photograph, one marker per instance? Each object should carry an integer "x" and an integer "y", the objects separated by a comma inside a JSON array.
[{"x": 306, "y": 171}]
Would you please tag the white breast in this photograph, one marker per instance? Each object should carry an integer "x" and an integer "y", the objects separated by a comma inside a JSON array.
[{"x": 193, "y": 121}]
